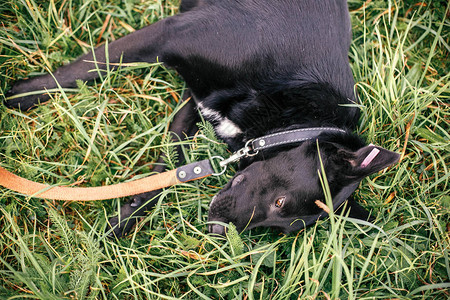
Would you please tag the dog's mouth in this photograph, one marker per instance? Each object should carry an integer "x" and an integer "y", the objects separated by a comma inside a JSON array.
[{"x": 227, "y": 207}]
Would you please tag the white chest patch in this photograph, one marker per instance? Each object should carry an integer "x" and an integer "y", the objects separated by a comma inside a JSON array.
[
  {"x": 227, "y": 128},
  {"x": 209, "y": 114},
  {"x": 224, "y": 126}
]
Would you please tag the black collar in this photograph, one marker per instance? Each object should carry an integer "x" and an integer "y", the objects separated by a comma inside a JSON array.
[
  {"x": 253, "y": 146},
  {"x": 290, "y": 136}
]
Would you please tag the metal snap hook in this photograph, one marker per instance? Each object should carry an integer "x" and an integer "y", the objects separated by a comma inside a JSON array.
[{"x": 221, "y": 159}]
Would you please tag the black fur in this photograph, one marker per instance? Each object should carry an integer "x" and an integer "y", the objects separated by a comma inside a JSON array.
[{"x": 254, "y": 67}]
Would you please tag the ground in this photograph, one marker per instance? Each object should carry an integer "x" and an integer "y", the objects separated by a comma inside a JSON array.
[{"x": 114, "y": 130}]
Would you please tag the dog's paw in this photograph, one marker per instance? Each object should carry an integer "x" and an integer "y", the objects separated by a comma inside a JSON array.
[
  {"x": 119, "y": 226},
  {"x": 22, "y": 103},
  {"x": 116, "y": 230},
  {"x": 14, "y": 100}
]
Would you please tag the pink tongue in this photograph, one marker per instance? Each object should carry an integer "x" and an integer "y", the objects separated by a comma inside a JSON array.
[{"x": 370, "y": 157}]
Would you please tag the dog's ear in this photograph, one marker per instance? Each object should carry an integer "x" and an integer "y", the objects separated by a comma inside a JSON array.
[{"x": 368, "y": 160}]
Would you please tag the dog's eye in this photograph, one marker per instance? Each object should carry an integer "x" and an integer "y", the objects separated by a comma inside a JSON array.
[{"x": 280, "y": 201}]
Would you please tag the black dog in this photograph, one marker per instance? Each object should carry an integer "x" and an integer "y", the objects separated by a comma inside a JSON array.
[{"x": 255, "y": 68}]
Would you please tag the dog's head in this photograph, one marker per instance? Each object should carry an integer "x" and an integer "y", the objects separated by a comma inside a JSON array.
[{"x": 281, "y": 191}]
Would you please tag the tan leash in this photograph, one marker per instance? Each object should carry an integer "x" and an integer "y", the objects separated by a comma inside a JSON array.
[{"x": 182, "y": 174}]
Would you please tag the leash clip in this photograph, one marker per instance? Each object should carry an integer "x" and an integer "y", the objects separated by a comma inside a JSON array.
[{"x": 247, "y": 151}]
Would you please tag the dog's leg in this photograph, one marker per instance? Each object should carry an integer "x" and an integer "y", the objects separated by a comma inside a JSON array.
[
  {"x": 183, "y": 125},
  {"x": 144, "y": 45}
]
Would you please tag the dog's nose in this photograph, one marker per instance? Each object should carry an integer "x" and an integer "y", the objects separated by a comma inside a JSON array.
[{"x": 216, "y": 229}]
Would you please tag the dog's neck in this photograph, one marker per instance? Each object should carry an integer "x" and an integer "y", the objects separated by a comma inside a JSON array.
[
  {"x": 328, "y": 136},
  {"x": 248, "y": 114}
]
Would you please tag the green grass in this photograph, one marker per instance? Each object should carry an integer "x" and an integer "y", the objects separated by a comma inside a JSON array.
[{"x": 114, "y": 130}]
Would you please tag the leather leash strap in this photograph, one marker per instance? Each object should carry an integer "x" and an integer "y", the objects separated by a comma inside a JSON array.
[{"x": 183, "y": 174}]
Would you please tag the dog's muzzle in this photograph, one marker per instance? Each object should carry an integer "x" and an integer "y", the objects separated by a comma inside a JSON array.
[{"x": 221, "y": 209}]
